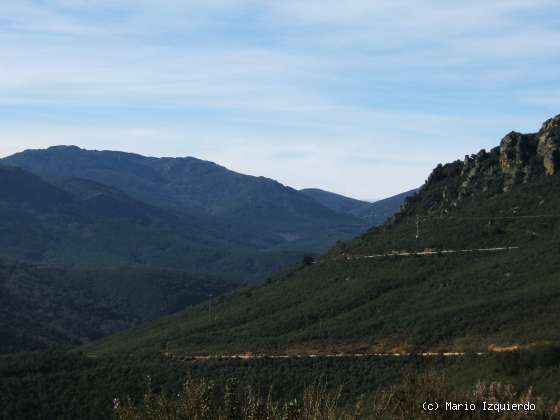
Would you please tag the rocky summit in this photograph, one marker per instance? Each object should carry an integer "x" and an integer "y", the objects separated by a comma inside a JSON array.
[
  {"x": 518, "y": 158},
  {"x": 522, "y": 155}
]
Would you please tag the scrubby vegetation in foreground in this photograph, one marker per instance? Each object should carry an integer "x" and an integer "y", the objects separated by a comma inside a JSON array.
[
  {"x": 71, "y": 386},
  {"x": 201, "y": 399}
]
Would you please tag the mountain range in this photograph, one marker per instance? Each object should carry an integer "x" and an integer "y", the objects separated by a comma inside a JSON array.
[
  {"x": 253, "y": 211},
  {"x": 125, "y": 209},
  {"x": 168, "y": 233},
  {"x": 470, "y": 263}
]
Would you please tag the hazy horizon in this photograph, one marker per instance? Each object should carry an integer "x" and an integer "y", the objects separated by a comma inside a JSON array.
[{"x": 362, "y": 99}]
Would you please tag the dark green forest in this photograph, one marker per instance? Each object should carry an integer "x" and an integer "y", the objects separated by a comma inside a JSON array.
[
  {"x": 465, "y": 301},
  {"x": 47, "y": 308},
  {"x": 93, "y": 226},
  {"x": 81, "y": 260}
]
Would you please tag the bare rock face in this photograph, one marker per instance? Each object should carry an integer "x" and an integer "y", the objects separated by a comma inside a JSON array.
[
  {"x": 516, "y": 150},
  {"x": 549, "y": 145},
  {"x": 551, "y": 124},
  {"x": 517, "y": 158},
  {"x": 525, "y": 155},
  {"x": 473, "y": 166}
]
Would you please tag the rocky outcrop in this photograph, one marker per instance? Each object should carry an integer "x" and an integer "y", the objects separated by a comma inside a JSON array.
[
  {"x": 525, "y": 155},
  {"x": 551, "y": 124},
  {"x": 473, "y": 167},
  {"x": 549, "y": 145},
  {"x": 518, "y": 159}
]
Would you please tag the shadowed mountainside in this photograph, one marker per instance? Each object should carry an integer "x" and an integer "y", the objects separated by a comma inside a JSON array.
[
  {"x": 47, "y": 308},
  {"x": 91, "y": 225},
  {"x": 254, "y": 211}
]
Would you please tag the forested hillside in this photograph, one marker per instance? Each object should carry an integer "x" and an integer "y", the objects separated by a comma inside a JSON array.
[
  {"x": 80, "y": 223},
  {"x": 398, "y": 287},
  {"x": 178, "y": 232},
  {"x": 255, "y": 212},
  {"x": 51, "y": 308}
]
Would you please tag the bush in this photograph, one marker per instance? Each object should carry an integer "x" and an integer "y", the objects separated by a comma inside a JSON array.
[{"x": 201, "y": 400}]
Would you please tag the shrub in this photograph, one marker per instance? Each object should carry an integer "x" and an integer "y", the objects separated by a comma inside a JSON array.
[{"x": 201, "y": 401}]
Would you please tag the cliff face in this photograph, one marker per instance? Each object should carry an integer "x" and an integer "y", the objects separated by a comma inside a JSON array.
[
  {"x": 525, "y": 155},
  {"x": 549, "y": 145},
  {"x": 518, "y": 158}
]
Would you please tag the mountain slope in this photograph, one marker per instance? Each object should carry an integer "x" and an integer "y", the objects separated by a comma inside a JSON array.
[
  {"x": 46, "y": 308},
  {"x": 19, "y": 186},
  {"x": 373, "y": 214},
  {"x": 259, "y": 212},
  {"x": 378, "y": 212},
  {"x": 506, "y": 198},
  {"x": 333, "y": 201},
  {"x": 85, "y": 224},
  {"x": 39, "y": 309}
]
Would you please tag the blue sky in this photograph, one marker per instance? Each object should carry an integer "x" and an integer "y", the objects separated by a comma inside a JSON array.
[{"x": 358, "y": 97}]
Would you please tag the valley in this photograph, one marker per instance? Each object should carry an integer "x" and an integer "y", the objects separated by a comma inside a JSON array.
[
  {"x": 279, "y": 210},
  {"x": 479, "y": 270},
  {"x": 85, "y": 259},
  {"x": 461, "y": 282}
]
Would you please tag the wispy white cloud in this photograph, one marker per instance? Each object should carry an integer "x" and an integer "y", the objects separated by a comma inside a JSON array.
[
  {"x": 297, "y": 90},
  {"x": 362, "y": 154}
]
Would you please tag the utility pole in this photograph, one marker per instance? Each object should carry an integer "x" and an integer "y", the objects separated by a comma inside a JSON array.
[{"x": 417, "y": 227}]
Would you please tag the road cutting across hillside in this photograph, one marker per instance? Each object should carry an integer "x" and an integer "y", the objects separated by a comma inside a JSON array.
[
  {"x": 251, "y": 356},
  {"x": 428, "y": 252}
]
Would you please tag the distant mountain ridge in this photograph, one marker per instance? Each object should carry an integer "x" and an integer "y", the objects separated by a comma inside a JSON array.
[
  {"x": 179, "y": 183},
  {"x": 263, "y": 211},
  {"x": 373, "y": 213}
]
